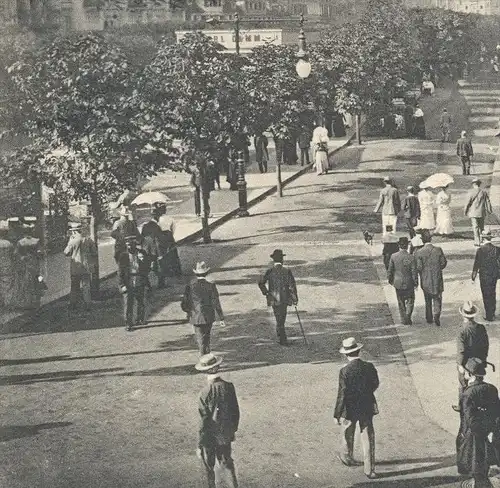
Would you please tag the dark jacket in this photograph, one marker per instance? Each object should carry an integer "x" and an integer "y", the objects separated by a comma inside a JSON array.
[
  {"x": 472, "y": 342},
  {"x": 219, "y": 412},
  {"x": 281, "y": 288},
  {"x": 121, "y": 229},
  {"x": 261, "y": 153},
  {"x": 126, "y": 274},
  {"x": 464, "y": 147},
  {"x": 201, "y": 302},
  {"x": 304, "y": 140},
  {"x": 358, "y": 381},
  {"x": 479, "y": 406},
  {"x": 486, "y": 262},
  {"x": 430, "y": 264},
  {"x": 402, "y": 272},
  {"x": 411, "y": 207}
]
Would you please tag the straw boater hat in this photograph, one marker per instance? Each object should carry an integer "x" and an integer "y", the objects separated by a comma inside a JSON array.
[
  {"x": 476, "y": 180},
  {"x": 476, "y": 367},
  {"x": 387, "y": 179},
  {"x": 207, "y": 362},
  {"x": 468, "y": 310},
  {"x": 486, "y": 234},
  {"x": 350, "y": 345},
  {"x": 201, "y": 268},
  {"x": 75, "y": 226}
]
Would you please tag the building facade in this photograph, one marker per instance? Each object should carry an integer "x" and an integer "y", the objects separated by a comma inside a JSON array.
[{"x": 482, "y": 7}]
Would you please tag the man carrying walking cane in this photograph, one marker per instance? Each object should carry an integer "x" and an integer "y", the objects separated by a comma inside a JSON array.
[{"x": 280, "y": 292}]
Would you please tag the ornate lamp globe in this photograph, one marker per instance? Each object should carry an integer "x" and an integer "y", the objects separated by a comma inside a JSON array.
[{"x": 303, "y": 68}]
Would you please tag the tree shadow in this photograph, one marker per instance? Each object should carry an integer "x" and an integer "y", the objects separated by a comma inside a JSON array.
[
  {"x": 11, "y": 432},
  {"x": 410, "y": 483}
]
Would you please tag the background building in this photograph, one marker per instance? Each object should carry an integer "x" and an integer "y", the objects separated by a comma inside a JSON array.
[{"x": 483, "y": 7}]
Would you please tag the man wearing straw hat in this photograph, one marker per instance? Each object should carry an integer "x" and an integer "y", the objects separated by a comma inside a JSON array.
[
  {"x": 83, "y": 253},
  {"x": 477, "y": 207},
  {"x": 278, "y": 286},
  {"x": 411, "y": 208},
  {"x": 472, "y": 341},
  {"x": 465, "y": 152},
  {"x": 201, "y": 303},
  {"x": 486, "y": 264},
  {"x": 220, "y": 416},
  {"x": 355, "y": 404},
  {"x": 390, "y": 203},
  {"x": 479, "y": 408}
]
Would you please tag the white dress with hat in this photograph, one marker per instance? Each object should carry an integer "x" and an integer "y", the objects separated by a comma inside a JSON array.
[
  {"x": 426, "y": 200},
  {"x": 444, "y": 225}
]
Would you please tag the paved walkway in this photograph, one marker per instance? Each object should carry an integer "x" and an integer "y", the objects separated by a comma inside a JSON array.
[{"x": 55, "y": 268}]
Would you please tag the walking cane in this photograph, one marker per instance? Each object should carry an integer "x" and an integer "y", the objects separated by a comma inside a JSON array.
[{"x": 300, "y": 324}]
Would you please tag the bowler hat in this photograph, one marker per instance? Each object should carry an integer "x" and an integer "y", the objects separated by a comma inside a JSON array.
[
  {"x": 387, "y": 179},
  {"x": 208, "y": 362},
  {"x": 403, "y": 241},
  {"x": 476, "y": 367},
  {"x": 350, "y": 345},
  {"x": 201, "y": 268},
  {"x": 468, "y": 310},
  {"x": 277, "y": 255}
]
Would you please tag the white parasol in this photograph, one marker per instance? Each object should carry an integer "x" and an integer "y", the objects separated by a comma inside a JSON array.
[
  {"x": 437, "y": 180},
  {"x": 150, "y": 198}
]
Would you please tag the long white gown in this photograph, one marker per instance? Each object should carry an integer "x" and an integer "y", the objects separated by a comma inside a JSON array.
[
  {"x": 444, "y": 225},
  {"x": 320, "y": 136},
  {"x": 426, "y": 200}
]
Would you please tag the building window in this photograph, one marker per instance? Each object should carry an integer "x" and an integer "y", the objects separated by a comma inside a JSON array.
[
  {"x": 256, "y": 38},
  {"x": 215, "y": 38},
  {"x": 213, "y": 3},
  {"x": 248, "y": 38}
]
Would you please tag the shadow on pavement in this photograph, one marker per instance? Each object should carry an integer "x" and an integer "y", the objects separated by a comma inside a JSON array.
[
  {"x": 10, "y": 432},
  {"x": 56, "y": 376},
  {"x": 411, "y": 483}
]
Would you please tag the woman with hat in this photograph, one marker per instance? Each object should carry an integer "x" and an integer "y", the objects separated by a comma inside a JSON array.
[
  {"x": 201, "y": 303},
  {"x": 444, "y": 225},
  {"x": 356, "y": 404},
  {"x": 426, "y": 200},
  {"x": 479, "y": 409}
]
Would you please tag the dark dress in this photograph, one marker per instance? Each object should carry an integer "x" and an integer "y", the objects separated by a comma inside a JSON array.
[
  {"x": 419, "y": 130},
  {"x": 338, "y": 126}
]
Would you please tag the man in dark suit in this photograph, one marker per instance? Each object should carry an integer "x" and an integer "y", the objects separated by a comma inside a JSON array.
[
  {"x": 390, "y": 203},
  {"x": 281, "y": 293},
  {"x": 477, "y": 207},
  {"x": 201, "y": 303},
  {"x": 465, "y": 152},
  {"x": 356, "y": 403},
  {"x": 133, "y": 269},
  {"x": 304, "y": 140},
  {"x": 472, "y": 342},
  {"x": 402, "y": 274},
  {"x": 487, "y": 265},
  {"x": 411, "y": 208},
  {"x": 430, "y": 264},
  {"x": 220, "y": 416}
]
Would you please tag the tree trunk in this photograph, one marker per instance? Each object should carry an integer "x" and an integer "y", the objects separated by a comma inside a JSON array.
[
  {"x": 358, "y": 127},
  {"x": 95, "y": 209},
  {"x": 205, "y": 203},
  {"x": 279, "y": 184}
]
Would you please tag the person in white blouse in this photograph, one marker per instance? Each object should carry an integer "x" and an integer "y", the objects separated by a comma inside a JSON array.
[
  {"x": 426, "y": 200},
  {"x": 320, "y": 145},
  {"x": 444, "y": 225}
]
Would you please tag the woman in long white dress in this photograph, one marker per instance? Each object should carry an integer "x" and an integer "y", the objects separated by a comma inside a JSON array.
[
  {"x": 426, "y": 200},
  {"x": 444, "y": 225},
  {"x": 320, "y": 143}
]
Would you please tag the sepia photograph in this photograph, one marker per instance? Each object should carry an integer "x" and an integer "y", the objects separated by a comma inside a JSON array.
[{"x": 249, "y": 243}]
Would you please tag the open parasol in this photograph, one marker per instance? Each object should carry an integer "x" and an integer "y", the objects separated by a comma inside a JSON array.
[
  {"x": 437, "y": 180},
  {"x": 150, "y": 198}
]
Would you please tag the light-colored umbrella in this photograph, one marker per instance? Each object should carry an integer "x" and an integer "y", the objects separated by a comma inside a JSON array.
[
  {"x": 437, "y": 180},
  {"x": 150, "y": 198}
]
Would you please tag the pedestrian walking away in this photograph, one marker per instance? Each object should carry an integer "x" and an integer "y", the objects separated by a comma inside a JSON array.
[
  {"x": 402, "y": 274},
  {"x": 430, "y": 264},
  {"x": 444, "y": 225},
  {"x": 445, "y": 124},
  {"x": 472, "y": 341},
  {"x": 390, "y": 203},
  {"x": 487, "y": 265},
  {"x": 278, "y": 286},
  {"x": 426, "y": 200},
  {"x": 83, "y": 253},
  {"x": 201, "y": 303},
  {"x": 479, "y": 410},
  {"x": 124, "y": 226},
  {"x": 356, "y": 405},
  {"x": 304, "y": 141},
  {"x": 419, "y": 123},
  {"x": 195, "y": 183},
  {"x": 465, "y": 152},
  {"x": 478, "y": 206},
  {"x": 411, "y": 208},
  {"x": 261, "y": 153},
  {"x": 219, "y": 420},
  {"x": 134, "y": 265}
]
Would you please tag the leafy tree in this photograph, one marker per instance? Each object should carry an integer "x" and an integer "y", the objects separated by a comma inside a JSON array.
[
  {"x": 88, "y": 137},
  {"x": 192, "y": 90}
]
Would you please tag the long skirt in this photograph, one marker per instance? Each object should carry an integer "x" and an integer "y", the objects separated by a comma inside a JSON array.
[
  {"x": 170, "y": 264},
  {"x": 419, "y": 130},
  {"x": 427, "y": 218},
  {"x": 444, "y": 225},
  {"x": 321, "y": 162}
]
